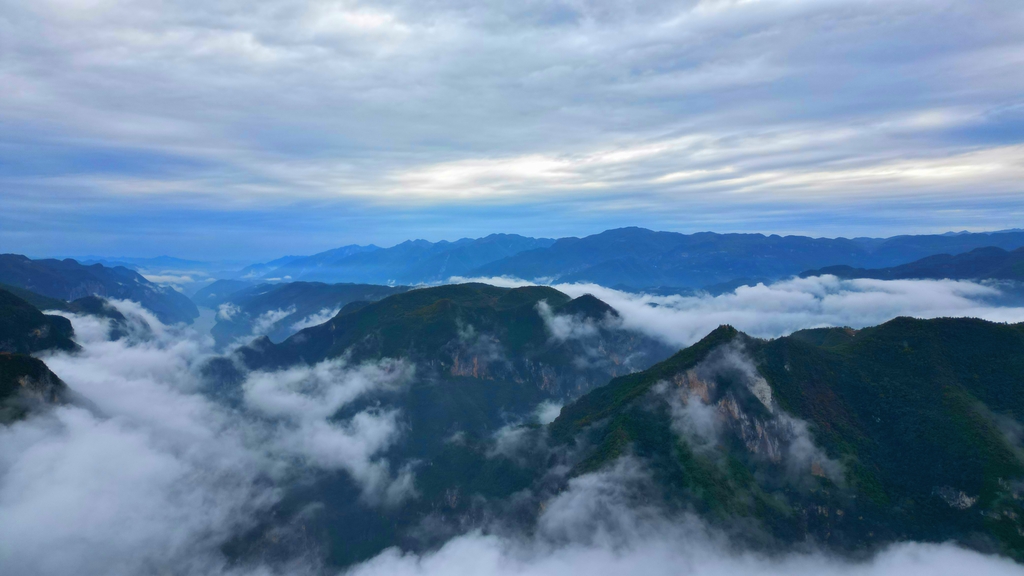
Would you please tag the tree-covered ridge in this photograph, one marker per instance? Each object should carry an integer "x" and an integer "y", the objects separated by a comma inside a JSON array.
[
  {"x": 478, "y": 331},
  {"x": 979, "y": 264},
  {"x": 484, "y": 359},
  {"x": 906, "y": 430},
  {"x": 25, "y": 384},
  {"x": 275, "y": 309},
  {"x": 24, "y": 329}
]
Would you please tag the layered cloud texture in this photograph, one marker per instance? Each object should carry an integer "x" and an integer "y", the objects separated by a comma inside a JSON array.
[
  {"x": 778, "y": 309},
  {"x": 355, "y": 121}
]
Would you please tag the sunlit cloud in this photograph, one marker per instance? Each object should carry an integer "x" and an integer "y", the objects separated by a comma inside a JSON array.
[{"x": 394, "y": 108}]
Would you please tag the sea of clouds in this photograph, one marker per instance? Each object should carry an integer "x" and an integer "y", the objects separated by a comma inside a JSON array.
[
  {"x": 780, "y": 308},
  {"x": 149, "y": 474}
]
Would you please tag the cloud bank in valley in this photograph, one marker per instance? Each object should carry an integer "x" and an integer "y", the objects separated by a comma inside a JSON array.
[
  {"x": 773, "y": 310},
  {"x": 156, "y": 476},
  {"x": 149, "y": 474},
  {"x": 320, "y": 317},
  {"x": 599, "y": 526}
]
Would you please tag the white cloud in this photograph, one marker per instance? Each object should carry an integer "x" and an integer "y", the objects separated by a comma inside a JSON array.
[
  {"x": 770, "y": 311},
  {"x": 599, "y": 527},
  {"x": 156, "y": 476},
  {"x": 547, "y": 411},
  {"x": 175, "y": 280},
  {"x": 702, "y": 412},
  {"x": 266, "y": 321},
  {"x": 160, "y": 477},
  {"x": 646, "y": 104},
  {"x": 564, "y": 327},
  {"x": 304, "y": 400},
  {"x": 227, "y": 311},
  {"x": 316, "y": 319},
  {"x": 511, "y": 441},
  {"x": 107, "y": 496}
]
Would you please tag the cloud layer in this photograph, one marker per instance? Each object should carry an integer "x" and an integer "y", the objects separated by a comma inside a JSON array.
[
  {"x": 596, "y": 527},
  {"x": 770, "y": 311},
  {"x": 352, "y": 118},
  {"x": 151, "y": 475}
]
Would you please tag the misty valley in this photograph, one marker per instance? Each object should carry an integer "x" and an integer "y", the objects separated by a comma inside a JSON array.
[{"x": 520, "y": 406}]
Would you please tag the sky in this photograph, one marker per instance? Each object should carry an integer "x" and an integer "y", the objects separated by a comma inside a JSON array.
[{"x": 236, "y": 130}]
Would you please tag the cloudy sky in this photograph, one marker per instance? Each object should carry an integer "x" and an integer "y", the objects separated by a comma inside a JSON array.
[{"x": 235, "y": 129}]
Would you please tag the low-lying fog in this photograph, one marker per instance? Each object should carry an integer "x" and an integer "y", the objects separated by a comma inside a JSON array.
[{"x": 155, "y": 476}]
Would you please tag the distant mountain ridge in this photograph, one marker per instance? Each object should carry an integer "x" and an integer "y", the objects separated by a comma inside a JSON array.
[
  {"x": 627, "y": 258},
  {"x": 69, "y": 280},
  {"x": 411, "y": 262},
  {"x": 636, "y": 258},
  {"x": 978, "y": 264}
]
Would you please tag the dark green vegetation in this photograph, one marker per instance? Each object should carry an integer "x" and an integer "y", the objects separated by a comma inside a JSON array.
[
  {"x": 917, "y": 425},
  {"x": 484, "y": 358},
  {"x": 69, "y": 280},
  {"x": 24, "y": 329},
  {"x": 476, "y": 331},
  {"x": 635, "y": 258},
  {"x": 87, "y": 306},
  {"x": 978, "y": 264},
  {"x": 274, "y": 309},
  {"x": 26, "y": 382}
]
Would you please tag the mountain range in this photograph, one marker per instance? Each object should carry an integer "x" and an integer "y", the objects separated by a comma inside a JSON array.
[
  {"x": 979, "y": 264},
  {"x": 637, "y": 259},
  {"x": 68, "y": 280},
  {"x": 847, "y": 439},
  {"x": 627, "y": 258},
  {"x": 851, "y": 439},
  {"x": 411, "y": 262}
]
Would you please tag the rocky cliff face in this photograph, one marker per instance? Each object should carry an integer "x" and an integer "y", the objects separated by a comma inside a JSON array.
[
  {"x": 853, "y": 438},
  {"x": 26, "y": 384}
]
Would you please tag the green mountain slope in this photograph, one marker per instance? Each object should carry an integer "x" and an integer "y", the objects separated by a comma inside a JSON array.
[
  {"x": 485, "y": 358},
  {"x": 24, "y": 329},
  {"x": 907, "y": 430},
  {"x": 477, "y": 331},
  {"x": 27, "y": 384}
]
